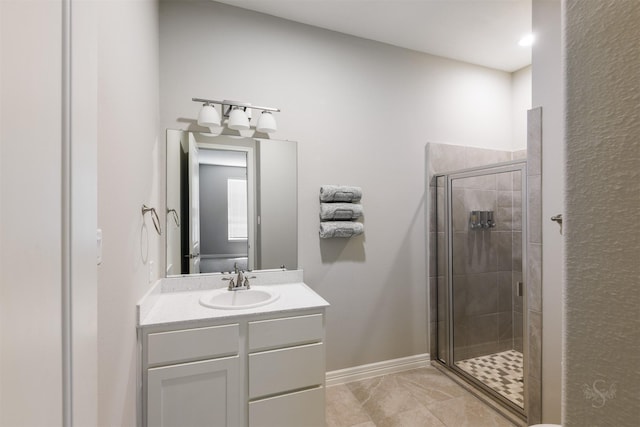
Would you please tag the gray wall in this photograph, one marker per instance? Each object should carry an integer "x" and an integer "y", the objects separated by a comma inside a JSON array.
[
  {"x": 30, "y": 206},
  {"x": 602, "y": 295},
  {"x": 362, "y": 113},
  {"x": 129, "y": 158},
  {"x": 521, "y": 103}
]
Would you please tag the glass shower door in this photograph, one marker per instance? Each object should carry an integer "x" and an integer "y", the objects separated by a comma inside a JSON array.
[{"x": 480, "y": 240}]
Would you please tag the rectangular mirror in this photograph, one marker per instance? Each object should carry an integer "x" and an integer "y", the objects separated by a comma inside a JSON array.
[{"x": 231, "y": 202}]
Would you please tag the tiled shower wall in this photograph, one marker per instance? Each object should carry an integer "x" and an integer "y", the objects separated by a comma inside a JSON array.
[
  {"x": 534, "y": 264},
  {"x": 487, "y": 265}
]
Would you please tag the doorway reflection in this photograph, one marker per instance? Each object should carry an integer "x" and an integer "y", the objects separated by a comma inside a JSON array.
[{"x": 223, "y": 210}]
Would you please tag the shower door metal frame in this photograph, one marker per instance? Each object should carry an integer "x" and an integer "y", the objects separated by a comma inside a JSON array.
[{"x": 512, "y": 166}]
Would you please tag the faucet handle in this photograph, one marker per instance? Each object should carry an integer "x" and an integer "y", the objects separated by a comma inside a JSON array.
[
  {"x": 246, "y": 281},
  {"x": 232, "y": 283}
]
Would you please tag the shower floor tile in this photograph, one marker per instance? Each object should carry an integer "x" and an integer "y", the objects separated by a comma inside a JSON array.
[{"x": 500, "y": 371}]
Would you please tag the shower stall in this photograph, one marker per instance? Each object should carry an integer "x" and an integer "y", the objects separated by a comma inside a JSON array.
[{"x": 479, "y": 291}]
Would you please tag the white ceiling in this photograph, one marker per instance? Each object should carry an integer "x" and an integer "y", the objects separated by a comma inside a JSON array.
[{"x": 483, "y": 32}]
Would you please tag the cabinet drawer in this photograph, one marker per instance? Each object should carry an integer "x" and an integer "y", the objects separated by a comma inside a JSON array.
[
  {"x": 304, "y": 408},
  {"x": 278, "y": 371},
  {"x": 267, "y": 334},
  {"x": 192, "y": 344}
]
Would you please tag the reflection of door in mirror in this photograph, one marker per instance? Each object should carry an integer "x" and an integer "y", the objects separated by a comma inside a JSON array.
[
  {"x": 193, "y": 180},
  {"x": 174, "y": 186},
  {"x": 224, "y": 209}
]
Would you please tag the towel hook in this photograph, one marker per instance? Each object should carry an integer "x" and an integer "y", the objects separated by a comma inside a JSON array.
[
  {"x": 175, "y": 216},
  {"x": 154, "y": 218}
]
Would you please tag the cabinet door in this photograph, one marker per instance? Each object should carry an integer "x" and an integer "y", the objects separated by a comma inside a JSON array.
[{"x": 197, "y": 394}]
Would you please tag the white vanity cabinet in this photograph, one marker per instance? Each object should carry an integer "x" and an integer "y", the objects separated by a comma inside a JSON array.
[{"x": 257, "y": 371}]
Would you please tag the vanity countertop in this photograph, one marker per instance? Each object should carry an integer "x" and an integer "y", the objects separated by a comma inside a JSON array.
[{"x": 177, "y": 299}]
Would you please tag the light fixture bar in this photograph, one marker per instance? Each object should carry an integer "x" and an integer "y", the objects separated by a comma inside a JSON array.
[{"x": 235, "y": 104}]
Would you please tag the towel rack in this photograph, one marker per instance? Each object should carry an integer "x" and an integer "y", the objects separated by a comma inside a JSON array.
[
  {"x": 339, "y": 208},
  {"x": 154, "y": 218}
]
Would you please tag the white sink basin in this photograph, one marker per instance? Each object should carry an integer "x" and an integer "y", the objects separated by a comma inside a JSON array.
[{"x": 224, "y": 299}]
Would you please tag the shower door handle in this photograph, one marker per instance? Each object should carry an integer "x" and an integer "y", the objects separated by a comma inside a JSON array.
[{"x": 519, "y": 289}]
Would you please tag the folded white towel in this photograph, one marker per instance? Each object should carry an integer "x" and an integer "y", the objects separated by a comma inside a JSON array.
[
  {"x": 340, "y": 193},
  {"x": 340, "y": 229},
  {"x": 340, "y": 211}
]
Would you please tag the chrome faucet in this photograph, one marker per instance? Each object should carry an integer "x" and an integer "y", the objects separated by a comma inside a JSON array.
[
  {"x": 240, "y": 282},
  {"x": 240, "y": 279}
]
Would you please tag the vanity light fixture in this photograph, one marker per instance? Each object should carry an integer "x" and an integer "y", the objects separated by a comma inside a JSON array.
[
  {"x": 266, "y": 123},
  {"x": 238, "y": 119},
  {"x": 238, "y": 114},
  {"x": 209, "y": 118}
]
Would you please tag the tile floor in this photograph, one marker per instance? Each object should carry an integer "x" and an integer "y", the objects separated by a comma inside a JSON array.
[{"x": 418, "y": 398}]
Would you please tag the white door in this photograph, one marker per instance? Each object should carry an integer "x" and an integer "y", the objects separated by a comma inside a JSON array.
[
  {"x": 31, "y": 386},
  {"x": 194, "y": 207},
  {"x": 194, "y": 394}
]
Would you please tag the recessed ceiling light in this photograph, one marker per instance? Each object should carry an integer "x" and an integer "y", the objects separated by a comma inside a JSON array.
[{"x": 527, "y": 40}]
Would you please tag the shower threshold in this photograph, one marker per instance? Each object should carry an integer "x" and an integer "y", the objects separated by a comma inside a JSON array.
[{"x": 502, "y": 372}]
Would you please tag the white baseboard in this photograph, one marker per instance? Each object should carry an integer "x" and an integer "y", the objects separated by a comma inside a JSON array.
[{"x": 362, "y": 372}]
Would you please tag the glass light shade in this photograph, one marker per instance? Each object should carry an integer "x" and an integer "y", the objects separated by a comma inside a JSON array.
[
  {"x": 238, "y": 119},
  {"x": 266, "y": 123},
  {"x": 209, "y": 117}
]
